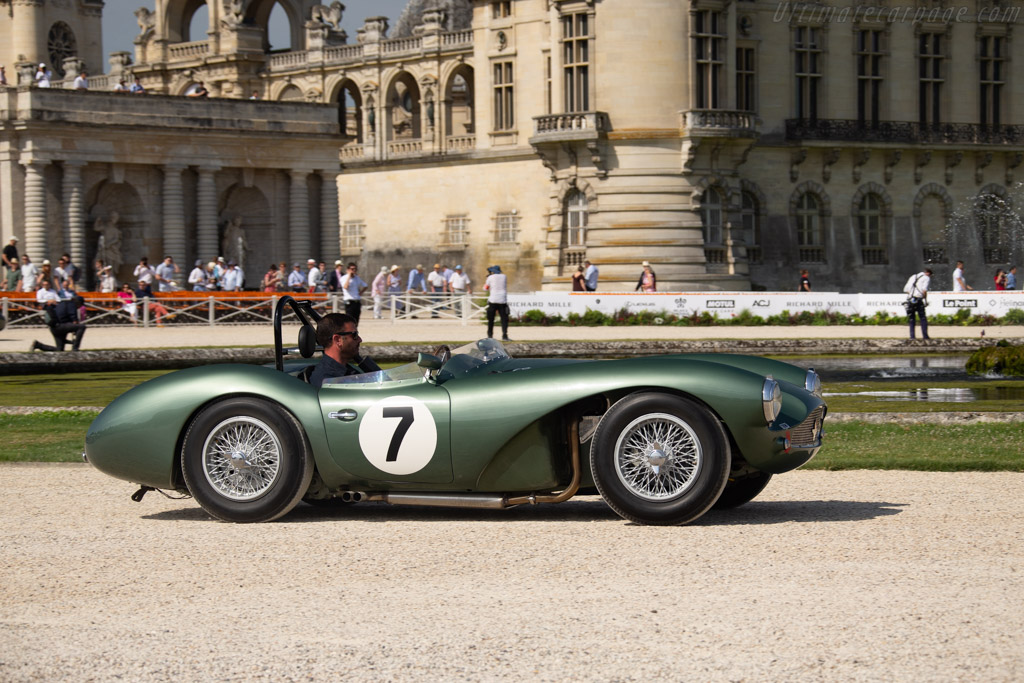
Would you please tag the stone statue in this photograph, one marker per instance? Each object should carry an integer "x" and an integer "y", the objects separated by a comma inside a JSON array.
[
  {"x": 233, "y": 245},
  {"x": 330, "y": 15},
  {"x": 234, "y": 12},
  {"x": 109, "y": 249},
  {"x": 146, "y": 19}
]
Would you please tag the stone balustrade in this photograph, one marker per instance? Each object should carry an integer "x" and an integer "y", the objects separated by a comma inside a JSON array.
[
  {"x": 457, "y": 39},
  {"x": 343, "y": 54},
  {"x": 288, "y": 60},
  {"x": 460, "y": 143},
  {"x": 396, "y": 45},
  {"x": 404, "y": 147},
  {"x": 719, "y": 123},
  {"x": 183, "y": 51}
]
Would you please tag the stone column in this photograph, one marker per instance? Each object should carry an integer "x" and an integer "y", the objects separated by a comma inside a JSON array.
[
  {"x": 174, "y": 215},
  {"x": 330, "y": 235},
  {"x": 35, "y": 212},
  {"x": 208, "y": 246},
  {"x": 298, "y": 215},
  {"x": 74, "y": 219}
]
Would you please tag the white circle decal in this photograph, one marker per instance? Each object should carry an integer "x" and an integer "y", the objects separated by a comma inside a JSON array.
[{"x": 398, "y": 435}]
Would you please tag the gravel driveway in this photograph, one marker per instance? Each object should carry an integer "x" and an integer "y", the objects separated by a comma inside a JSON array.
[{"x": 828, "y": 576}]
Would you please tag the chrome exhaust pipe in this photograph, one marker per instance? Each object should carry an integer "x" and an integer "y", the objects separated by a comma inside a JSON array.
[
  {"x": 352, "y": 496},
  {"x": 446, "y": 500}
]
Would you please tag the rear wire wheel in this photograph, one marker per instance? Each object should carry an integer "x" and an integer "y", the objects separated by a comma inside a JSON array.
[
  {"x": 246, "y": 460},
  {"x": 660, "y": 459}
]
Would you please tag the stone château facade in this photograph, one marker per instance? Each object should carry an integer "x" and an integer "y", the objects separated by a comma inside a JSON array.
[{"x": 728, "y": 142}]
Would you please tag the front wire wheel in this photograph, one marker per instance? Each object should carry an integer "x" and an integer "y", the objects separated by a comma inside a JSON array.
[
  {"x": 246, "y": 460},
  {"x": 660, "y": 459}
]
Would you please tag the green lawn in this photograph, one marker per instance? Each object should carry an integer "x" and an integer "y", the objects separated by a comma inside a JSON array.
[{"x": 44, "y": 437}]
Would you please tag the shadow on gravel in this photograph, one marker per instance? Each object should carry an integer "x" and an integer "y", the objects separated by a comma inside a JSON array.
[{"x": 584, "y": 510}]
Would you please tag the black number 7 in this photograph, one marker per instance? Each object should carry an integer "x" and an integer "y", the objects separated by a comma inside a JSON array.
[{"x": 404, "y": 412}]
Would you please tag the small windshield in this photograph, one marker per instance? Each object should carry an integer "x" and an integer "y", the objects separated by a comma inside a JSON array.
[
  {"x": 464, "y": 358},
  {"x": 395, "y": 374}
]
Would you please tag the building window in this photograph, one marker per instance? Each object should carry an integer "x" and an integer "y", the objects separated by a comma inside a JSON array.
[
  {"x": 709, "y": 51},
  {"x": 352, "y": 234},
  {"x": 869, "y": 76},
  {"x": 547, "y": 84},
  {"x": 988, "y": 217},
  {"x": 506, "y": 227},
  {"x": 502, "y": 9},
  {"x": 745, "y": 79},
  {"x": 929, "y": 60},
  {"x": 807, "y": 48},
  {"x": 991, "y": 59},
  {"x": 504, "y": 97},
  {"x": 576, "y": 219},
  {"x": 576, "y": 61},
  {"x": 750, "y": 213},
  {"x": 809, "y": 238},
  {"x": 711, "y": 221},
  {"x": 456, "y": 230},
  {"x": 872, "y": 234},
  {"x": 60, "y": 44}
]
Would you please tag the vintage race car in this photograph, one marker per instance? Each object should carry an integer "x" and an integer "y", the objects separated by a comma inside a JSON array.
[{"x": 661, "y": 438}]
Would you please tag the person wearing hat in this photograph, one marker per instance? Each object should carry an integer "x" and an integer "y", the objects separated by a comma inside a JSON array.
[
  {"x": 497, "y": 301},
  {"x": 459, "y": 286},
  {"x": 648, "y": 281},
  {"x": 11, "y": 253},
  {"x": 296, "y": 278},
  {"x": 395, "y": 286},
  {"x": 197, "y": 278},
  {"x": 438, "y": 286},
  {"x": 379, "y": 286},
  {"x": 334, "y": 278},
  {"x": 43, "y": 76},
  {"x": 352, "y": 288},
  {"x": 312, "y": 275}
]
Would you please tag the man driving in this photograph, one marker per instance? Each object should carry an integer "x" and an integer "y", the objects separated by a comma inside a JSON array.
[{"x": 337, "y": 334}]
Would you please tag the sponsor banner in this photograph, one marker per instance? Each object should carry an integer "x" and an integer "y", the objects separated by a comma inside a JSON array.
[{"x": 764, "y": 304}]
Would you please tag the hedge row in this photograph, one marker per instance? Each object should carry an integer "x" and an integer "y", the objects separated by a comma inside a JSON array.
[{"x": 963, "y": 317}]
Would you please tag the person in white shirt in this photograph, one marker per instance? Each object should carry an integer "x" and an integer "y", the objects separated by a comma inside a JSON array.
[
  {"x": 590, "y": 276},
  {"x": 142, "y": 272},
  {"x": 380, "y": 285},
  {"x": 459, "y": 286},
  {"x": 497, "y": 301},
  {"x": 959, "y": 284},
  {"x": 43, "y": 76},
  {"x": 197, "y": 278},
  {"x": 916, "y": 290},
  {"x": 46, "y": 294},
  {"x": 82, "y": 81},
  {"x": 438, "y": 285},
  {"x": 105, "y": 274},
  {"x": 312, "y": 276},
  {"x": 352, "y": 288},
  {"x": 233, "y": 278},
  {"x": 29, "y": 273}
]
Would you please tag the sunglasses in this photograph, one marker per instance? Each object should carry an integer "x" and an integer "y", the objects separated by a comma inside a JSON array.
[{"x": 353, "y": 333}]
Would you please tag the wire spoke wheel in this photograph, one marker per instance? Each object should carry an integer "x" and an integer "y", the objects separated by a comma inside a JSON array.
[
  {"x": 657, "y": 456},
  {"x": 242, "y": 458}
]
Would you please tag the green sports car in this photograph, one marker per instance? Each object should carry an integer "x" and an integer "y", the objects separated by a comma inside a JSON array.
[{"x": 662, "y": 438}]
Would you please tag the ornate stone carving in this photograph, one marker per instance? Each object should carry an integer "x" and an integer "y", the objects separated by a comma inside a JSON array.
[
  {"x": 891, "y": 159},
  {"x": 981, "y": 160},
  {"x": 920, "y": 161},
  {"x": 953, "y": 160},
  {"x": 828, "y": 160},
  {"x": 328, "y": 14},
  {"x": 859, "y": 159},
  {"x": 796, "y": 157}
]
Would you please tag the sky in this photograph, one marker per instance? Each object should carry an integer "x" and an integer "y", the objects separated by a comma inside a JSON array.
[{"x": 120, "y": 27}]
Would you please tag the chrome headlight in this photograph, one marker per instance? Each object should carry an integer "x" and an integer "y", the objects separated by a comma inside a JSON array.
[
  {"x": 771, "y": 399},
  {"x": 812, "y": 382}
]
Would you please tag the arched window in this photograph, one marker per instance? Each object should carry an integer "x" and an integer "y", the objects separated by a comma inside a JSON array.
[
  {"x": 990, "y": 214},
  {"x": 60, "y": 44},
  {"x": 350, "y": 112},
  {"x": 279, "y": 30},
  {"x": 870, "y": 223},
  {"x": 198, "y": 24},
  {"x": 810, "y": 239},
  {"x": 750, "y": 213}
]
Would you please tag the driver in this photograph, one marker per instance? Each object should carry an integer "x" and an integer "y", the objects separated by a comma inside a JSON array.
[{"x": 337, "y": 333}]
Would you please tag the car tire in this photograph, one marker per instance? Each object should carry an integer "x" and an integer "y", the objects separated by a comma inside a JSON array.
[
  {"x": 743, "y": 490},
  {"x": 246, "y": 460},
  {"x": 660, "y": 459}
]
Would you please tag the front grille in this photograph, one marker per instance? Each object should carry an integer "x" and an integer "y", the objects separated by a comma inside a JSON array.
[{"x": 808, "y": 432}]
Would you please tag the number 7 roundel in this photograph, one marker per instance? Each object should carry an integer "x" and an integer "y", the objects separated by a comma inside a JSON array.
[{"x": 398, "y": 435}]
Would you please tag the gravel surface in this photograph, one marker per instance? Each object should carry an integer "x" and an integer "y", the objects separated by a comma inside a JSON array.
[{"x": 828, "y": 576}]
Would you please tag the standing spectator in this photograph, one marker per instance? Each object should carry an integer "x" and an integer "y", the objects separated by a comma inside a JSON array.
[
  {"x": 1011, "y": 278},
  {"x": 3, "y": 75},
  {"x": 71, "y": 269},
  {"x": 59, "y": 273},
  {"x": 334, "y": 280},
  {"x": 460, "y": 287},
  {"x": 916, "y": 290},
  {"x": 282, "y": 281},
  {"x": 82, "y": 80},
  {"x": 13, "y": 278},
  {"x": 648, "y": 281},
  {"x": 121, "y": 86},
  {"x": 11, "y": 253},
  {"x": 1000, "y": 280},
  {"x": 127, "y": 298},
  {"x": 590, "y": 276},
  {"x": 45, "y": 274},
  {"x": 395, "y": 286},
  {"x": 579, "y": 280},
  {"x": 805, "y": 281},
  {"x": 352, "y": 288},
  {"x": 380, "y": 285},
  {"x": 165, "y": 273},
  {"x": 219, "y": 268},
  {"x": 197, "y": 277},
  {"x": 959, "y": 284},
  {"x": 255, "y": 95},
  {"x": 198, "y": 90},
  {"x": 29, "y": 274},
  {"x": 497, "y": 301},
  {"x": 312, "y": 276},
  {"x": 438, "y": 286},
  {"x": 142, "y": 272},
  {"x": 271, "y": 279},
  {"x": 297, "y": 279},
  {"x": 234, "y": 278},
  {"x": 417, "y": 283},
  {"x": 137, "y": 88},
  {"x": 63, "y": 322},
  {"x": 43, "y": 76},
  {"x": 105, "y": 277},
  {"x": 211, "y": 282}
]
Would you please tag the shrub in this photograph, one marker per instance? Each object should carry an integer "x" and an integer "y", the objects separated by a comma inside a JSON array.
[
  {"x": 1003, "y": 359},
  {"x": 1014, "y": 316}
]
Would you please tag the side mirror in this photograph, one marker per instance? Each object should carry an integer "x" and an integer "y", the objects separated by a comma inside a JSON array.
[{"x": 428, "y": 361}]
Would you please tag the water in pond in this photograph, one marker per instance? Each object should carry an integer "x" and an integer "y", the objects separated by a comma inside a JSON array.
[
  {"x": 886, "y": 367},
  {"x": 944, "y": 395}
]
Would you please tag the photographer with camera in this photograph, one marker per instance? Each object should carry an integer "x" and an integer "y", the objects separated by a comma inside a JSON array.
[
  {"x": 916, "y": 290},
  {"x": 62, "y": 318}
]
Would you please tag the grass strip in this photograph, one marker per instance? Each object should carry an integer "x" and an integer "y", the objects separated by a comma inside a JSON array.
[{"x": 57, "y": 436}]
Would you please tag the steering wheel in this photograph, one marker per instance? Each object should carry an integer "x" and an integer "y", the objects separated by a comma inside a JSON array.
[{"x": 443, "y": 352}]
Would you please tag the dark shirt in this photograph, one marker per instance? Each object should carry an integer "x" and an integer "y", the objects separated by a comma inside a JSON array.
[
  {"x": 805, "y": 285},
  {"x": 11, "y": 252},
  {"x": 65, "y": 313},
  {"x": 328, "y": 367}
]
